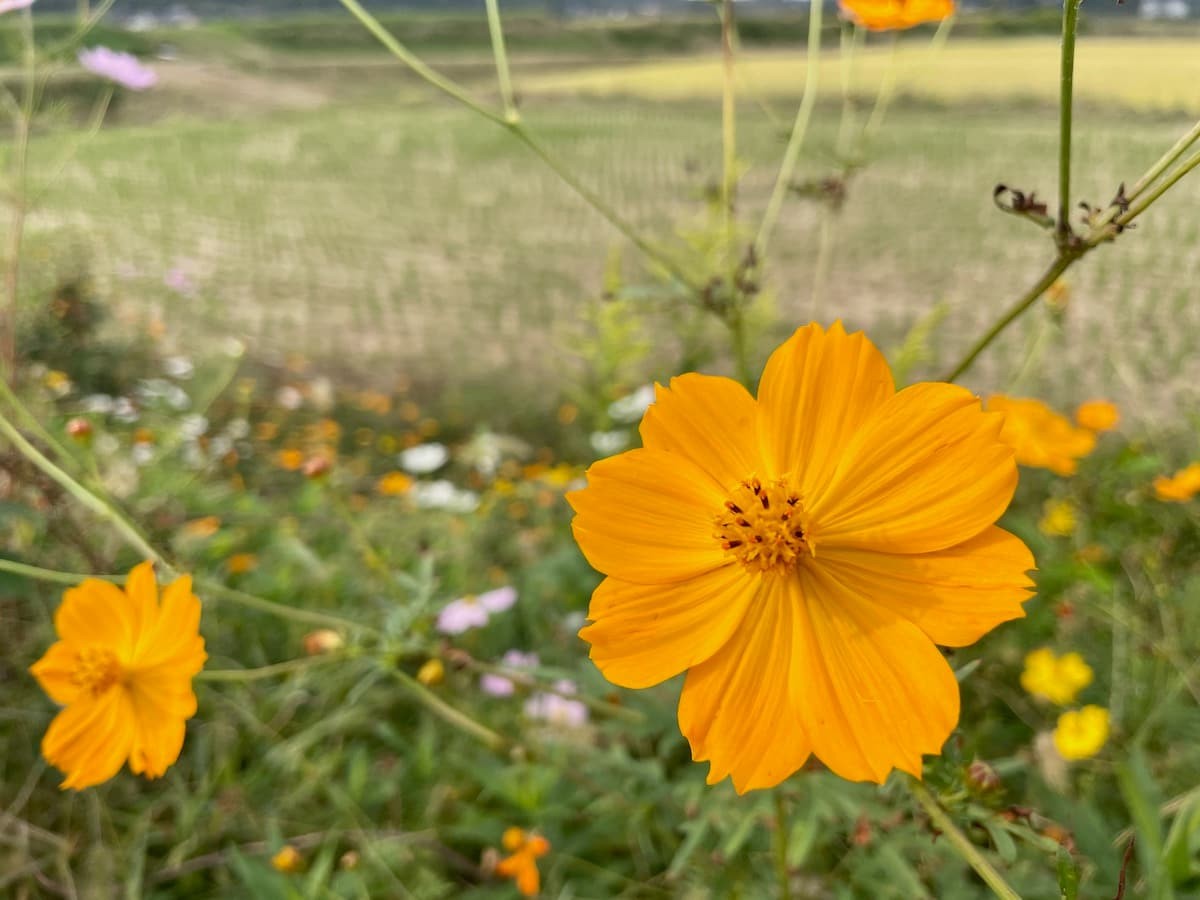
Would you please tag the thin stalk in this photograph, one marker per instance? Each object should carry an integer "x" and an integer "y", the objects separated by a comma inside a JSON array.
[
  {"x": 452, "y": 89},
  {"x": 849, "y": 42},
  {"x": 1140, "y": 207},
  {"x": 501, "y": 56},
  {"x": 1065, "y": 107},
  {"x": 81, "y": 494},
  {"x": 825, "y": 241},
  {"x": 414, "y": 62},
  {"x": 728, "y": 130},
  {"x": 1061, "y": 263},
  {"x": 741, "y": 350},
  {"x": 272, "y": 671},
  {"x": 7, "y": 395},
  {"x": 792, "y": 154},
  {"x": 968, "y": 851},
  {"x": 23, "y": 121},
  {"x": 448, "y": 713},
  {"x": 887, "y": 89},
  {"x": 283, "y": 611},
  {"x": 37, "y": 573},
  {"x": 782, "y": 832},
  {"x": 1180, "y": 147}
]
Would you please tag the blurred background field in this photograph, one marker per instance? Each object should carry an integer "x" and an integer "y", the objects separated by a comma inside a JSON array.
[
  {"x": 324, "y": 203},
  {"x": 303, "y": 264}
]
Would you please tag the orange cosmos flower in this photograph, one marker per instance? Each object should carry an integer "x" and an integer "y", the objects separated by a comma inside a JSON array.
[
  {"x": 1180, "y": 487},
  {"x": 1040, "y": 436},
  {"x": 521, "y": 866},
  {"x": 800, "y": 555},
  {"x": 892, "y": 15},
  {"x": 1097, "y": 415},
  {"x": 123, "y": 668}
]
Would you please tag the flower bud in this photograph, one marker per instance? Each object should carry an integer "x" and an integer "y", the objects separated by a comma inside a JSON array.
[
  {"x": 432, "y": 672},
  {"x": 323, "y": 640}
]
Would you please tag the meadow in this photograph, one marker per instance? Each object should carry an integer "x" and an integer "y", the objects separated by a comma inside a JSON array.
[{"x": 338, "y": 348}]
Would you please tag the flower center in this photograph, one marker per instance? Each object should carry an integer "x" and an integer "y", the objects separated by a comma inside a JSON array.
[
  {"x": 762, "y": 526},
  {"x": 96, "y": 669}
]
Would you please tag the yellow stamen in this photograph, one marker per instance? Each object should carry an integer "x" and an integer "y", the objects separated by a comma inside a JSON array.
[
  {"x": 763, "y": 525},
  {"x": 96, "y": 669}
]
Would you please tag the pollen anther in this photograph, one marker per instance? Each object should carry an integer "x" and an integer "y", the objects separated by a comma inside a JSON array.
[{"x": 768, "y": 535}]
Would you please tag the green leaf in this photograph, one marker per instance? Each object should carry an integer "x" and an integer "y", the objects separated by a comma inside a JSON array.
[
  {"x": 1143, "y": 801},
  {"x": 1068, "y": 875},
  {"x": 1183, "y": 841}
]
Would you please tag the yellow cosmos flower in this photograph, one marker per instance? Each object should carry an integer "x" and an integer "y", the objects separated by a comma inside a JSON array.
[
  {"x": 394, "y": 484},
  {"x": 521, "y": 866},
  {"x": 123, "y": 668},
  {"x": 1058, "y": 679},
  {"x": 1180, "y": 487},
  {"x": 1097, "y": 415},
  {"x": 1081, "y": 732},
  {"x": 799, "y": 555},
  {"x": 288, "y": 859},
  {"x": 1040, "y": 436},
  {"x": 1058, "y": 518},
  {"x": 893, "y": 15}
]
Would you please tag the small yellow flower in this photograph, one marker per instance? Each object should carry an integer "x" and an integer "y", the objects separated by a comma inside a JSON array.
[
  {"x": 266, "y": 431},
  {"x": 394, "y": 484},
  {"x": 1058, "y": 518},
  {"x": 122, "y": 668},
  {"x": 1058, "y": 296},
  {"x": 201, "y": 528},
  {"x": 290, "y": 459},
  {"x": 432, "y": 672},
  {"x": 58, "y": 383},
  {"x": 1097, "y": 415},
  {"x": 1058, "y": 679},
  {"x": 521, "y": 866},
  {"x": 1180, "y": 487},
  {"x": 288, "y": 859},
  {"x": 1081, "y": 732},
  {"x": 567, "y": 413},
  {"x": 1041, "y": 437},
  {"x": 241, "y": 563}
]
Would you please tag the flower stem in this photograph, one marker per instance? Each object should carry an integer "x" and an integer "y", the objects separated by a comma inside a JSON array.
[
  {"x": 968, "y": 851},
  {"x": 728, "y": 131},
  {"x": 782, "y": 834},
  {"x": 1065, "y": 109},
  {"x": 280, "y": 668},
  {"x": 281, "y": 610},
  {"x": 448, "y": 713},
  {"x": 37, "y": 573},
  {"x": 1139, "y": 208},
  {"x": 791, "y": 155},
  {"x": 1061, "y": 263},
  {"x": 22, "y": 123},
  {"x": 501, "y": 56}
]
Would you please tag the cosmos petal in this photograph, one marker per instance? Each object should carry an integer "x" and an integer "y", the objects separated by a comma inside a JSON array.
[
  {"x": 647, "y": 516},
  {"x": 874, "y": 693},
  {"x": 955, "y": 595},
  {"x": 160, "y": 723},
  {"x": 141, "y": 590},
  {"x": 96, "y": 612},
  {"x": 736, "y": 709},
  {"x": 54, "y": 670},
  {"x": 644, "y": 634},
  {"x": 90, "y": 739},
  {"x": 925, "y": 473},
  {"x": 173, "y": 639},
  {"x": 817, "y": 391},
  {"x": 711, "y": 421}
]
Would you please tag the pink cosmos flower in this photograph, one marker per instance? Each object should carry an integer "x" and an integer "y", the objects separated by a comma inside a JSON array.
[
  {"x": 122, "y": 68},
  {"x": 473, "y": 612},
  {"x": 557, "y": 709},
  {"x": 10, "y": 5},
  {"x": 502, "y": 686}
]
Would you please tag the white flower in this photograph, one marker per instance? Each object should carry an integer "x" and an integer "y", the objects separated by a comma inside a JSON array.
[
  {"x": 631, "y": 407},
  {"x": 179, "y": 367},
  {"x": 191, "y": 427},
  {"x": 124, "y": 410},
  {"x": 424, "y": 458},
  {"x": 606, "y": 443},
  {"x": 442, "y": 494},
  {"x": 238, "y": 429},
  {"x": 557, "y": 709},
  {"x": 98, "y": 403},
  {"x": 289, "y": 397},
  {"x": 143, "y": 453}
]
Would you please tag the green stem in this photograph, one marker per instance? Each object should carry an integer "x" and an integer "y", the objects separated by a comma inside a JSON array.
[
  {"x": 501, "y": 56},
  {"x": 1180, "y": 147},
  {"x": 887, "y": 89},
  {"x": 448, "y": 87},
  {"x": 1137, "y": 209},
  {"x": 825, "y": 242},
  {"x": 968, "y": 851},
  {"x": 728, "y": 130},
  {"x": 1061, "y": 263},
  {"x": 20, "y": 156},
  {"x": 1065, "y": 108},
  {"x": 85, "y": 497},
  {"x": 7, "y": 395},
  {"x": 799, "y": 128},
  {"x": 295, "y": 614},
  {"x": 271, "y": 671},
  {"x": 849, "y": 42},
  {"x": 448, "y": 713},
  {"x": 53, "y": 576},
  {"x": 783, "y": 876},
  {"x": 741, "y": 349}
]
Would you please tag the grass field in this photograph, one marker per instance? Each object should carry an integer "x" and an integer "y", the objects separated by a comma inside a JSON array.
[{"x": 392, "y": 227}]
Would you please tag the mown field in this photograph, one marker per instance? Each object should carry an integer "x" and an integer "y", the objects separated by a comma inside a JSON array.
[{"x": 367, "y": 221}]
